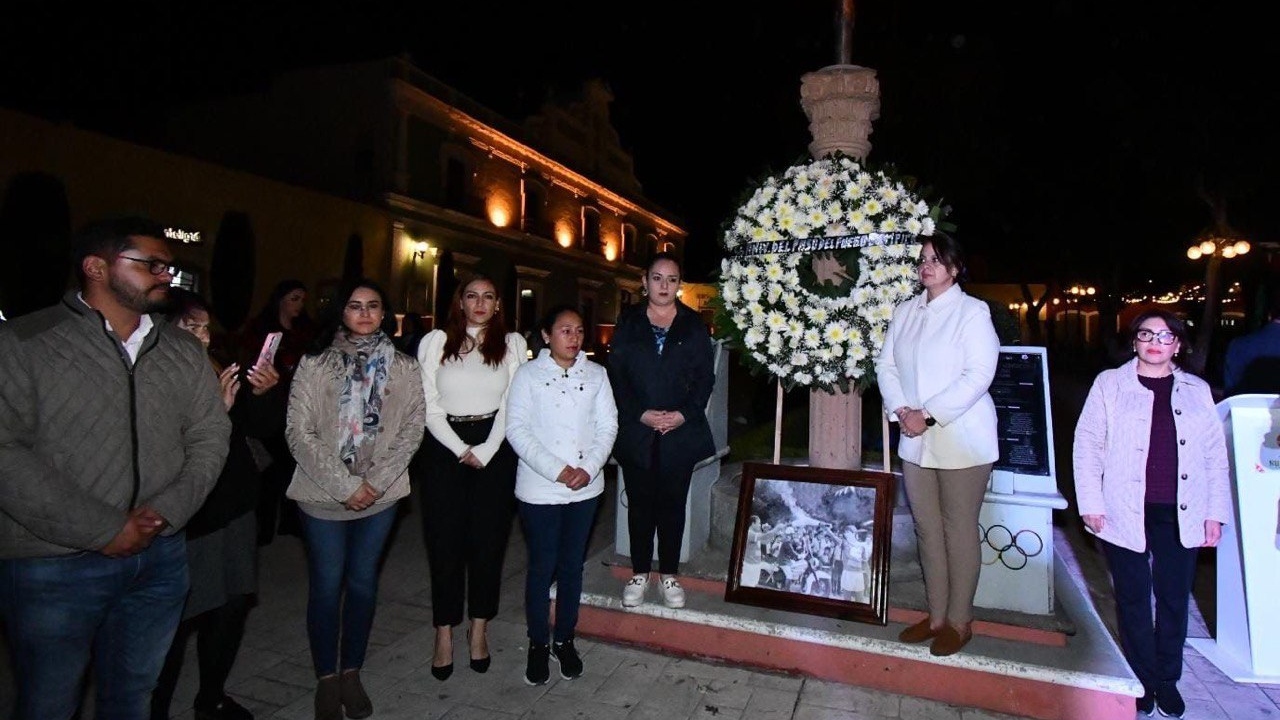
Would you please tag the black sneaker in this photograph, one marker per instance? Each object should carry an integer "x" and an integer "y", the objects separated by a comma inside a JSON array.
[
  {"x": 537, "y": 671},
  {"x": 566, "y": 656},
  {"x": 1169, "y": 701},
  {"x": 1147, "y": 703}
]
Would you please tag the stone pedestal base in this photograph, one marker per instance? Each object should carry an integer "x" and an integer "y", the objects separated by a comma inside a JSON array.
[{"x": 835, "y": 430}]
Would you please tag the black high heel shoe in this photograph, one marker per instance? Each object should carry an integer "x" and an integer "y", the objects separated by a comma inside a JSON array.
[
  {"x": 480, "y": 665},
  {"x": 442, "y": 672}
]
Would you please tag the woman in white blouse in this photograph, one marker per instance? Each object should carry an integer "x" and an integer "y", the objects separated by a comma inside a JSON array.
[
  {"x": 561, "y": 420},
  {"x": 934, "y": 371},
  {"x": 465, "y": 468}
]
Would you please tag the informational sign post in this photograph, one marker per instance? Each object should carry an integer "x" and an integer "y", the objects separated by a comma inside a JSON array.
[
  {"x": 1247, "y": 646},
  {"x": 1015, "y": 529},
  {"x": 1024, "y": 425}
]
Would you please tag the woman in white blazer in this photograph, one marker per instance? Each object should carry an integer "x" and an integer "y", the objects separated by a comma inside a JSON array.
[
  {"x": 561, "y": 421},
  {"x": 934, "y": 370}
]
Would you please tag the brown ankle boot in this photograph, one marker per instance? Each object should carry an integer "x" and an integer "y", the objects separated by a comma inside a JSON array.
[
  {"x": 328, "y": 699},
  {"x": 355, "y": 700}
]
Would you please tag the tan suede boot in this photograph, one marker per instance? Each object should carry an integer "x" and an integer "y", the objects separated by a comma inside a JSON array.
[
  {"x": 328, "y": 699},
  {"x": 355, "y": 700}
]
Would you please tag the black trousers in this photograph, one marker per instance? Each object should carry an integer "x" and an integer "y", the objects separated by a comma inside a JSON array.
[
  {"x": 277, "y": 513},
  {"x": 218, "y": 634},
  {"x": 466, "y": 522},
  {"x": 1154, "y": 648},
  {"x": 656, "y": 499}
]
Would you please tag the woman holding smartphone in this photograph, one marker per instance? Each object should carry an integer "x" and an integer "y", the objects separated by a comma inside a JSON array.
[
  {"x": 284, "y": 313},
  {"x": 221, "y": 548}
]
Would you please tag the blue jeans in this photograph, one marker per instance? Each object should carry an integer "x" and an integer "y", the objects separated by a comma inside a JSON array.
[
  {"x": 60, "y": 610},
  {"x": 343, "y": 554},
  {"x": 557, "y": 538}
]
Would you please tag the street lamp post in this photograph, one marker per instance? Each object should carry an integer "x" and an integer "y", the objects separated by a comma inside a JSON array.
[{"x": 1215, "y": 249}]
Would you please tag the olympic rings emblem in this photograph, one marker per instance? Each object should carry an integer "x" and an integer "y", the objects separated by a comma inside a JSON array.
[{"x": 1007, "y": 547}]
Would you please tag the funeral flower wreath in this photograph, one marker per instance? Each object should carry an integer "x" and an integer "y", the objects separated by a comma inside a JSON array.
[{"x": 817, "y": 259}]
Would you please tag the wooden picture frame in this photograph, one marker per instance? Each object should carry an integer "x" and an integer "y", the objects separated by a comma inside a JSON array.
[{"x": 822, "y": 541}]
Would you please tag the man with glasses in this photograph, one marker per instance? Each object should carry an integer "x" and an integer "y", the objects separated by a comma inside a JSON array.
[{"x": 111, "y": 434}]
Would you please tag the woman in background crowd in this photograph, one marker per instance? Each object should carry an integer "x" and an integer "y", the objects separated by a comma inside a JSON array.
[
  {"x": 937, "y": 363},
  {"x": 284, "y": 312},
  {"x": 1152, "y": 483},
  {"x": 465, "y": 468},
  {"x": 561, "y": 421},
  {"x": 661, "y": 370},
  {"x": 354, "y": 421},
  {"x": 221, "y": 547}
]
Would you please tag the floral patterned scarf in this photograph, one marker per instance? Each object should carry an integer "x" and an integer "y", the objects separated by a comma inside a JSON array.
[{"x": 366, "y": 363}]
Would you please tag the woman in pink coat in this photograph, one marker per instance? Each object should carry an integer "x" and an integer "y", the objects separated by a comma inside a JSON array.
[{"x": 1151, "y": 479}]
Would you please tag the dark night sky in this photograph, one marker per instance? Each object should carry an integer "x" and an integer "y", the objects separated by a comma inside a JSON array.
[{"x": 1068, "y": 137}]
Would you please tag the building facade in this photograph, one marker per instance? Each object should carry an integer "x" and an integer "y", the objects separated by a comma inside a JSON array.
[
  {"x": 423, "y": 185},
  {"x": 550, "y": 208}
]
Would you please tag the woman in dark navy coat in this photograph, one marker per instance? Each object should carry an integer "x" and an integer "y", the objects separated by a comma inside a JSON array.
[{"x": 660, "y": 366}]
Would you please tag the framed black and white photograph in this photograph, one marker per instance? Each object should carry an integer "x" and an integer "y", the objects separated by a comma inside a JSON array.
[{"x": 813, "y": 540}]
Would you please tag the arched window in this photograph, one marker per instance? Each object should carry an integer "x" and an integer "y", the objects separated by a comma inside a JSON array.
[
  {"x": 630, "y": 244},
  {"x": 535, "y": 210},
  {"x": 651, "y": 248},
  {"x": 591, "y": 230}
]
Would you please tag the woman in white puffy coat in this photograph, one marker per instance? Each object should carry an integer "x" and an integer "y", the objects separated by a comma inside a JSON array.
[{"x": 561, "y": 421}]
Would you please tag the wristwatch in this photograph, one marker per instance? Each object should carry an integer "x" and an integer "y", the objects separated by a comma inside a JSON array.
[{"x": 928, "y": 419}]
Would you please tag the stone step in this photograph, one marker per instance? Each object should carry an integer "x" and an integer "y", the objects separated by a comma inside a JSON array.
[{"x": 1033, "y": 672}]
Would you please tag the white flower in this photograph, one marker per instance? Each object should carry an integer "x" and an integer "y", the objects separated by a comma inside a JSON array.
[
  {"x": 752, "y": 290},
  {"x": 836, "y": 333},
  {"x": 872, "y": 207},
  {"x": 914, "y": 226},
  {"x": 776, "y": 320},
  {"x": 753, "y": 337},
  {"x": 812, "y": 338}
]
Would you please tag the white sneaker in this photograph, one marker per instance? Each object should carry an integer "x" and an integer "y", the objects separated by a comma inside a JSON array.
[
  {"x": 633, "y": 592},
  {"x": 672, "y": 593}
]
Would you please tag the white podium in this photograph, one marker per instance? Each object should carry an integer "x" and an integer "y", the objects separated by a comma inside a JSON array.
[
  {"x": 1247, "y": 648},
  {"x": 1015, "y": 525}
]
